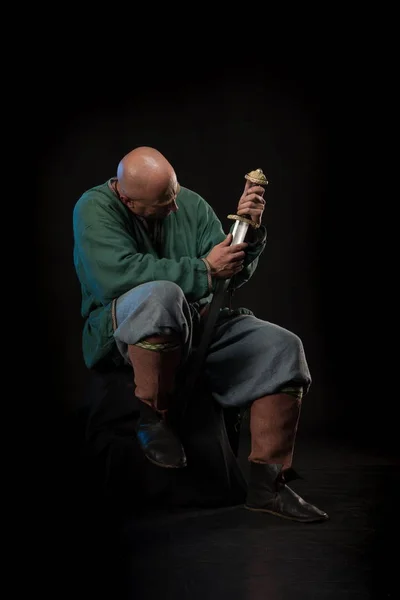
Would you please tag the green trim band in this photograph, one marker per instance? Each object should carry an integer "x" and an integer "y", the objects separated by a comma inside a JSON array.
[
  {"x": 161, "y": 347},
  {"x": 297, "y": 392}
]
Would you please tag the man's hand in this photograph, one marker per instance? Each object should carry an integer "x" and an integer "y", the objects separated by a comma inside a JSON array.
[
  {"x": 226, "y": 260},
  {"x": 252, "y": 202}
]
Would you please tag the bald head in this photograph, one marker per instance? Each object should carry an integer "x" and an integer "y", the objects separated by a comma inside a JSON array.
[
  {"x": 146, "y": 183},
  {"x": 145, "y": 174}
]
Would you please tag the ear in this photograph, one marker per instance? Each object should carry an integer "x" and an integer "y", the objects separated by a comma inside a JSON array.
[{"x": 125, "y": 201}]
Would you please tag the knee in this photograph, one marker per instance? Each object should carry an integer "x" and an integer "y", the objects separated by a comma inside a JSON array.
[
  {"x": 289, "y": 344},
  {"x": 294, "y": 342},
  {"x": 167, "y": 292},
  {"x": 151, "y": 308},
  {"x": 294, "y": 353},
  {"x": 296, "y": 349}
]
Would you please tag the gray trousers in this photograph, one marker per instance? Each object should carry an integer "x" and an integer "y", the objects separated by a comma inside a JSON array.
[{"x": 248, "y": 358}]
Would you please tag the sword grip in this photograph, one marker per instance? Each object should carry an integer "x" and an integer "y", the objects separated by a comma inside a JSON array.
[{"x": 243, "y": 222}]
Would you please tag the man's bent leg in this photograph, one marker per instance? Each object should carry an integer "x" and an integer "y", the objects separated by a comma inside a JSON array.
[
  {"x": 273, "y": 427},
  {"x": 155, "y": 361},
  {"x": 262, "y": 366},
  {"x": 161, "y": 309}
]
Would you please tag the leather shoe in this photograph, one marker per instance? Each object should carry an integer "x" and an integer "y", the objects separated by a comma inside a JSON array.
[
  {"x": 158, "y": 441},
  {"x": 269, "y": 493}
]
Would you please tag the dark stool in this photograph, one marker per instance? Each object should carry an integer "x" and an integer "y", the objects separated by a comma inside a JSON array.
[{"x": 115, "y": 471}]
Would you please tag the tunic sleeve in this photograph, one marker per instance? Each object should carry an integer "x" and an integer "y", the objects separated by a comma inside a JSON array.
[{"x": 111, "y": 264}]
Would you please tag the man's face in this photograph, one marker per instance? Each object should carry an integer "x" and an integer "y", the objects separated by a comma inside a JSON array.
[{"x": 156, "y": 207}]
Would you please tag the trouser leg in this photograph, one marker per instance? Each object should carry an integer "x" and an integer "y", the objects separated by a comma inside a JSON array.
[{"x": 153, "y": 334}]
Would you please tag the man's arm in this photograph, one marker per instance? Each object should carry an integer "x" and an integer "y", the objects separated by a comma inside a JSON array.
[
  {"x": 257, "y": 240},
  {"x": 112, "y": 265},
  {"x": 213, "y": 234}
]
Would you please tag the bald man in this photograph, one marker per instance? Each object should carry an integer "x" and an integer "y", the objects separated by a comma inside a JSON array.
[{"x": 148, "y": 253}]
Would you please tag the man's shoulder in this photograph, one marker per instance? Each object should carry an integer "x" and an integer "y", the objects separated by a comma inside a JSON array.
[
  {"x": 98, "y": 195},
  {"x": 191, "y": 199},
  {"x": 188, "y": 193}
]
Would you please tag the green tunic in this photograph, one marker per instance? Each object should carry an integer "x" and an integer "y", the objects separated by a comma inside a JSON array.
[{"x": 113, "y": 253}]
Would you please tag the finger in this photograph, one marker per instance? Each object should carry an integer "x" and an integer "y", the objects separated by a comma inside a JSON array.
[
  {"x": 252, "y": 198},
  {"x": 250, "y": 211},
  {"x": 240, "y": 256},
  {"x": 236, "y": 260},
  {"x": 249, "y": 206},
  {"x": 242, "y": 210},
  {"x": 254, "y": 189},
  {"x": 227, "y": 241},
  {"x": 247, "y": 186},
  {"x": 236, "y": 248},
  {"x": 238, "y": 269}
]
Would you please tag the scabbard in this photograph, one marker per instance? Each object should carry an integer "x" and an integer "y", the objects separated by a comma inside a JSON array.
[{"x": 217, "y": 302}]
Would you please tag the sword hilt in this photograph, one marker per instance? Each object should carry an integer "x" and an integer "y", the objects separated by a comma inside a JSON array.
[{"x": 258, "y": 178}]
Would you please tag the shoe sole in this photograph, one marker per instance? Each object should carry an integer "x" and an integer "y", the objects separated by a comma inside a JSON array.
[
  {"x": 271, "y": 512},
  {"x": 164, "y": 466}
]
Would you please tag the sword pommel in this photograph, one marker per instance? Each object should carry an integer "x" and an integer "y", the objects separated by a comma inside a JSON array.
[{"x": 257, "y": 177}]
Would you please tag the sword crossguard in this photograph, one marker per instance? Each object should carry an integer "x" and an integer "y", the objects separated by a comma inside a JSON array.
[
  {"x": 244, "y": 219},
  {"x": 258, "y": 178}
]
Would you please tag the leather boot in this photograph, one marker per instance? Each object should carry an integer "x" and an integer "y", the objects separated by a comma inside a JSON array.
[
  {"x": 155, "y": 361},
  {"x": 273, "y": 428},
  {"x": 269, "y": 493},
  {"x": 158, "y": 440}
]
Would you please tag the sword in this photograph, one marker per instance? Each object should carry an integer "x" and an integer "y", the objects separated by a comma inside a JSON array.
[{"x": 240, "y": 228}]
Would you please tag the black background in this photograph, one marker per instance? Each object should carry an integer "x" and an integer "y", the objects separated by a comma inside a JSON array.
[
  {"x": 308, "y": 96},
  {"x": 309, "y": 122}
]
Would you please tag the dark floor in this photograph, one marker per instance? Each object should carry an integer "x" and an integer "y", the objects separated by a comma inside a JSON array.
[{"x": 230, "y": 553}]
